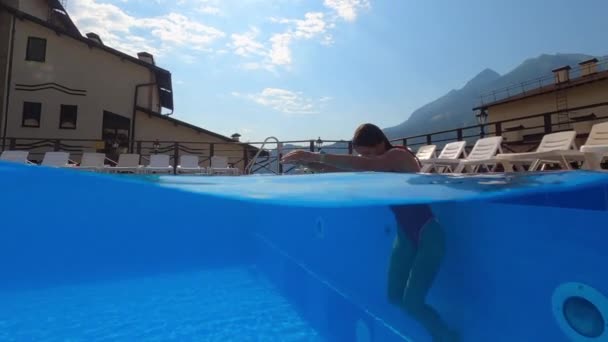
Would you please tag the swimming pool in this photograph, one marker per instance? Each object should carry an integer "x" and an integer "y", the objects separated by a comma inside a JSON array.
[{"x": 295, "y": 258}]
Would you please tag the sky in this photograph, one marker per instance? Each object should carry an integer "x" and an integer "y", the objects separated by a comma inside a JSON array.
[{"x": 302, "y": 69}]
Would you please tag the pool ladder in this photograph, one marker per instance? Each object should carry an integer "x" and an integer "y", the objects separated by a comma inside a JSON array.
[{"x": 279, "y": 153}]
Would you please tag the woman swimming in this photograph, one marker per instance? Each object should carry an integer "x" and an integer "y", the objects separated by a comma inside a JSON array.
[
  {"x": 419, "y": 245},
  {"x": 376, "y": 153}
]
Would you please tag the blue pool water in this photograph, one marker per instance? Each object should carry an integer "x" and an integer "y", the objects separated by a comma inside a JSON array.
[
  {"x": 87, "y": 257},
  {"x": 214, "y": 305}
]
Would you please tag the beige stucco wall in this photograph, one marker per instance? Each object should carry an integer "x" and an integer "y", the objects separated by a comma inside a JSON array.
[
  {"x": 591, "y": 93},
  {"x": 149, "y": 128},
  {"x": 5, "y": 32},
  {"x": 109, "y": 82},
  {"x": 147, "y": 96}
]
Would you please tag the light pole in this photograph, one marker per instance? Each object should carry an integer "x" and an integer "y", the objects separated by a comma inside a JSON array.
[
  {"x": 482, "y": 119},
  {"x": 319, "y": 144}
]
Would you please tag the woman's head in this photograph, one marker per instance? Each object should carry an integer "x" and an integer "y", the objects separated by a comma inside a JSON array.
[{"x": 369, "y": 140}]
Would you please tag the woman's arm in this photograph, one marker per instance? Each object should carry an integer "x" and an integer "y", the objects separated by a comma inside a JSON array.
[
  {"x": 318, "y": 167},
  {"x": 392, "y": 161}
]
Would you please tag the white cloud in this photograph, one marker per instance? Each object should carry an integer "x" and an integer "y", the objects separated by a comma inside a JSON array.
[
  {"x": 211, "y": 7},
  {"x": 124, "y": 32},
  {"x": 245, "y": 44},
  {"x": 312, "y": 25},
  {"x": 347, "y": 9},
  {"x": 182, "y": 31},
  {"x": 209, "y": 10},
  {"x": 284, "y": 101},
  {"x": 277, "y": 50},
  {"x": 327, "y": 40},
  {"x": 279, "y": 20},
  {"x": 259, "y": 66},
  {"x": 177, "y": 29},
  {"x": 280, "y": 53}
]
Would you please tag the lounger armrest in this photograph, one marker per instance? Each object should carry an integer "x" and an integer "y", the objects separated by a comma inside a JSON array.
[
  {"x": 601, "y": 149},
  {"x": 525, "y": 155},
  {"x": 479, "y": 161},
  {"x": 441, "y": 161}
]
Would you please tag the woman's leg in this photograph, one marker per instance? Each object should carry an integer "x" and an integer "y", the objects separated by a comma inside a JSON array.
[
  {"x": 402, "y": 260},
  {"x": 430, "y": 253}
]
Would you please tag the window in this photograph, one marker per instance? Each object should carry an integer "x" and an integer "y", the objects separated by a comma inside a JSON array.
[
  {"x": 68, "y": 117},
  {"x": 36, "y": 49},
  {"x": 31, "y": 114}
]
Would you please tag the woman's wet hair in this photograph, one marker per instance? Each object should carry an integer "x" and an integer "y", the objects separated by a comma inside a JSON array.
[{"x": 370, "y": 135}]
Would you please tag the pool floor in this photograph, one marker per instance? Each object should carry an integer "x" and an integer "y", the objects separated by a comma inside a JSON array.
[{"x": 236, "y": 304}]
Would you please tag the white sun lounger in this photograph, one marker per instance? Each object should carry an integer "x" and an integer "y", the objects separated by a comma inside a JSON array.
[
  {"x": 159, "y": 163},
  {"x": 450, "y": 152},
  {"x": 550, "y": 147},
  {"x": 591, "y": 154},
  {"x": 219, "y": 165},
  {"x": 126, "y": 163},
  {"x": 594, "y": 155},
  {"x": 483, "y": 154},
  {"x": 15, "y": 157},
  {"x": 56, "y": 159},
  {"x": 92, "y": 162},
  {"x": 189, "y": 164},
  {"x": 426, "y": 152}
]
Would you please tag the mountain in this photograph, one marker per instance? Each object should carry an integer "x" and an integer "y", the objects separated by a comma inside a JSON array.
[{"x": 454, "y": 109}]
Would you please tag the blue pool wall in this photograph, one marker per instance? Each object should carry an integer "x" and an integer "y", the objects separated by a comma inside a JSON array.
[
  {"x": 503, "y": 262},
  {"x": 334, "y": 263},
  {"x": 58, "y": 226},
  {"x": 61, "y": 228},
  {"x": 504, "y": 257},
  {"x": 512, "y": 270}
]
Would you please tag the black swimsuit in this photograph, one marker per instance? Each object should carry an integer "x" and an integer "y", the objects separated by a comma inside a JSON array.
[{"x": 412, "y": 220}]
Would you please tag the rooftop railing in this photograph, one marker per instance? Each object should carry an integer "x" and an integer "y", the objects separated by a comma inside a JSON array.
[
  {"x": 520, "y": 134},
  {"x": 534, "y": 84},
  {"x": 239, "y": 154}
]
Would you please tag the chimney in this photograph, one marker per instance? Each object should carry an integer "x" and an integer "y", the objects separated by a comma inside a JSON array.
[
  {"x": 588, "y": 67},
  {"x": 562, "y": 74},
  {"x": 146, "y": 57},
  {"x": 236, "y": 137},
  {"x": 94, "y": 37}
]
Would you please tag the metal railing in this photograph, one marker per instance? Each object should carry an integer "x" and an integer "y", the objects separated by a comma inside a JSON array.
[
  {"x": 239, "y": 154},
  {"x": 254, "y": 160},
  {"x": 265, "y": 161},
  {"x": 521, "y": 133},
  {"x": 534, "y": 84}
]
